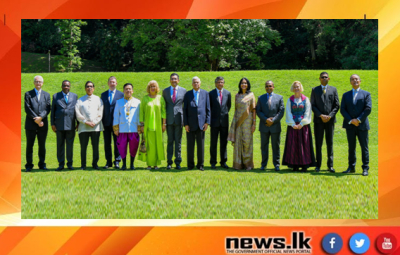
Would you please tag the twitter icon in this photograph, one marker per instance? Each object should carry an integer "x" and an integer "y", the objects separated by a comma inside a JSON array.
[{"x": 359, "y": 243}]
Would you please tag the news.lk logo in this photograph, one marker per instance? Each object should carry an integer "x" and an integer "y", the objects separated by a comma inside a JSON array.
[
  {"x": 386, "y": 243},
  {"x": 359, "y": 243},
  {"x": 300, "y": 244},
  {"x": 332, "y": 243}
]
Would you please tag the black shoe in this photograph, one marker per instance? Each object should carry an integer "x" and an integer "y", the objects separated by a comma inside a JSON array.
[
  {"x": 277, "y": 168},
  {"x": 43, "y": 168},
  {"x": 83, "y": 167},
  {"x": 317, "y": 169},
  {"x": 213, "y": 166},
  {"x": 60, "y": 168},
  {"x": 365, "y": 173},
  {"x": 28, "y": 169},
  {"x": 331, "y": 170},
  {"x": 304, "y": 169},
  {"x": 123, "y": 164},
  {"x": 295, "y": 169},
  {"x": 70, "y": 168},
  {"x": 132, "y": 163},
  {"x": 178, "y": 167},
  {"x": 224, "y": 165},
  {"x": 96, "y": 167},
  {"x": 349, "y": 170},
  {"x": 116, "y": 164},
  {"x": 189, "y": 168},
  {"x": 201, "y": 168},
  {"x": 169, "y": 167},
  {"x": 262, "y": 168}
]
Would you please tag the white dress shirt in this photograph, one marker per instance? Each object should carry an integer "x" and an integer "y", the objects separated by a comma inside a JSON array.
[{"x": 89, "y": 108}]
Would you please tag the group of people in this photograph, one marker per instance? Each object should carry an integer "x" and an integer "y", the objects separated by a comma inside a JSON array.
[{"x": 123, "y": 119}]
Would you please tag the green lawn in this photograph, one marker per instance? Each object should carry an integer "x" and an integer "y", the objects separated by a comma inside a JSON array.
[
  {"x": 212, "y": 194},
  {"x": 39, "y": 63}
]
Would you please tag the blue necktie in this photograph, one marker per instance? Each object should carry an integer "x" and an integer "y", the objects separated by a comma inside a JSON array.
[
  {"x": 197, "y": 98},
  {"x": 354, "y": 96},
  {"x": 66, "y": 99},
  {"x": 111, "y": 96}
]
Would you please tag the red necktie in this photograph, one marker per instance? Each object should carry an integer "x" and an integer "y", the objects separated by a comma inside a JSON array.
[
  {"x": 220, "y": 97},
  {"x": 174, "y": 96}
]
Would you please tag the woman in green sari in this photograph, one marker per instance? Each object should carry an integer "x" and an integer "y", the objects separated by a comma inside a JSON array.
[{"x": 152, "y": 118}]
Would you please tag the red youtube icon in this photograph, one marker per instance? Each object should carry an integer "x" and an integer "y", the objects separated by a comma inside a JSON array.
[{"x": 386, "y": 243}]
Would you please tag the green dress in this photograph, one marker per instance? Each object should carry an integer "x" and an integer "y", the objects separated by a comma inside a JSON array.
[{"x": 152, "y": 111}]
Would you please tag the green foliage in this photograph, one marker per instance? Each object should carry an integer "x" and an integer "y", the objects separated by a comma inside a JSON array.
[
  {"x": 212, "y": 194},
  {"x": 70, "y": 35},
  {"x": 40, "y": 36}
]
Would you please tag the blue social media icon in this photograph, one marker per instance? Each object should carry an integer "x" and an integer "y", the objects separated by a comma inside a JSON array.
[
  {"x": 332, "y": 243},
  {"x": 359, "y": 243}
]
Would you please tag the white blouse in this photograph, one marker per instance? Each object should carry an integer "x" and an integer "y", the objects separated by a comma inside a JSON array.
[
  {"x": 307, "y": 114},
  {"x": 89, "y": 108}
]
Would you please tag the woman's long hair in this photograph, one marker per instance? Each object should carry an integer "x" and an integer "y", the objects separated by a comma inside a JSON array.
[{"x": 248, "y": 85}]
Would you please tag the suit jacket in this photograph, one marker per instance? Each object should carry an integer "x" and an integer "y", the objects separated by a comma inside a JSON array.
[
  {"x": 36, "y": 108},
  {"x": 193, "y": 115},
  {"x": 63, "y": 113},
  {"x": 220, "y": 113},
  {"x": 276, "y": 111},
  {"x": 326, "y": 104},
  {"x": 108, "y": 109},
  {"x": 174, "y": 110},
  {"x": 360, "y": 110}
]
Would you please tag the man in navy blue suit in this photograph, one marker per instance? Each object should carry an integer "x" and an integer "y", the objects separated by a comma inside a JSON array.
[
  {"x": 196, "y": 118},
  {"x": 355, "y": 107},
  {"x": 109, "y": 98}
]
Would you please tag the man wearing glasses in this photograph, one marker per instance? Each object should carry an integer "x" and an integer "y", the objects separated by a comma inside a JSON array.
[
  {"x": 325, "y": 105},
  {"x": 37, "y": 107}
]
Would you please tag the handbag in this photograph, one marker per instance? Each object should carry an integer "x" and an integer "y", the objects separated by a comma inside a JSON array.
[{"x": 142, "y": 147}]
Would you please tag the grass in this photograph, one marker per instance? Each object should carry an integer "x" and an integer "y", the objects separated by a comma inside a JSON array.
[
  {"x": 212, "y": 194},
  {"x": 39, "y": 63}
]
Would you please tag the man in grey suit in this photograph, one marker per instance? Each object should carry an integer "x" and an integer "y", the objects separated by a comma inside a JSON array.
[
  {"x": 270, "y": 110},
  {"x": 220, "y": 104},
  {"x": 173, "y": 96},
  {"x": 64, "y": 123}
]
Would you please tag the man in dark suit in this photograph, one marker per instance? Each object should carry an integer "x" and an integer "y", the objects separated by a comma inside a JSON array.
[
  {"x": 173, "y": 97},
  {"x": 270, "y": 110},
  {"x": 355, "y": 107},
  {"x": 64, "y": 123},
  {"x": 109, "y": 98},
  {"x": 196, "y": 117},
  {"x": 325, "y": 105},
  {"x": 220, "y": 104},
  {"x": 37, "y": 107}
]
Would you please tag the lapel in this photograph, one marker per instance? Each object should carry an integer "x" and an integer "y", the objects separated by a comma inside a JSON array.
[
  {"x": 217, "y": 97},
  {"x": 34, "y": 95},
  {"x": 61, "y": 100},
  {"x": 357, "y": 96},
  {"x": 194, "y": 98},
  {"x": 224, "y": 96},
  {"x": 321, "y": 91}
]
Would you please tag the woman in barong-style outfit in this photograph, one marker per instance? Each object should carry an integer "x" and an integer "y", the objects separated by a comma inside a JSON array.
[
  {"x": 299, "y": 152},
  {"x": 243, "y": 126},
  {"x": 125, "y": 125}
]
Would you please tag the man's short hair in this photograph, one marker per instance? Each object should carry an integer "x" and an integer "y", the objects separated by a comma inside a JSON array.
[
  {"x": 128, "y": 84},
  {"x": 323, "y": 74},
  {"x": 112, "y": 78},
  {"x": 38, "y": 76},
  {"x": 196, "y": 78},
  {"x": 174, "y": 74},
  {"x": 270, "y": 81},
  {"x": 62, "y": 83},
  {"x": 219, "y": 78},
  {"x": 355, "y": 75},
  {"x": 88, "y": 83}
]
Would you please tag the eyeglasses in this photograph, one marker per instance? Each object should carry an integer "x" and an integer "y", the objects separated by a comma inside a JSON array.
[
  {"x": 324, "y": 77},
  {"x": 89, "y": 87}
]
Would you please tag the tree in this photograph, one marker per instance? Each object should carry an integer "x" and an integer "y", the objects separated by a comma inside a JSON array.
[{"x": 70, "y": 34}]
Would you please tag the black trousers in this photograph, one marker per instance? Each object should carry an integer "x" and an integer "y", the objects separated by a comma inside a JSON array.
[
  {"x": 65, "y": 137},
  {"x": 108, "y": 134},
  {"x": 84, "y": 140},
  {"x": 192, "y": 138},
  {"x": 30, "y": 141},
  {"x": 319, "y": 130},
  {"x": 275, "y": 144},
  {"x": 223, "y": 132},
  {"x": 174, "y": 133},
  {"x": 362, "y": 135}
]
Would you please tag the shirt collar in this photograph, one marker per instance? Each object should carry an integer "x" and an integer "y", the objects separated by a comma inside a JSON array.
[
  {"x": 324, "y": 86},
  {"x": 354, "y": 90},
  {"x": 222, "y": 90},
  {"x": 126, "y": 98},
  {"x": 65, "y": 94},
  {"x": 176, "y": 87},
  {"x": 112, "y": 91},
  {"x": 194, "y": 91},
  {"x": 38, "y": 91}
]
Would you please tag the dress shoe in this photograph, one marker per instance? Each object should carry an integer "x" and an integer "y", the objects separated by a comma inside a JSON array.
[
  {"x": 349, "y": 170},
  {"x": 304, "y": 169},
  {"x": 331, "y": 170},
  {"x": 178, "y": 167},
  {"x": 224, "y": 165},
  {"x": 190, "y": 168},
  {"x": 201, "y": 168},
  {"x": 132, "y": 167},
  {"x": 108, "y": 165},
  {"x": 83, "y": 167},
  {"x": 365, "y": 173},
  {"x": 295, "y": 169},
  {"x": 28, "y": 169},
  {"x": 317, "y": 169},
  {"x": 169, "y": 167},
  {"x": 116, "y": 164},
  {"x": 96, "y": 167},
  {"x": 277, "y": 168},
  {"x": 262, "y": 168},
  {"x": 43, "y": 168},
  {"x": 213, "y": 166},
  {"x": 70, "y": 168},
  {"x": 60, "y": 168},
  {"x": 123, "y": 164}
]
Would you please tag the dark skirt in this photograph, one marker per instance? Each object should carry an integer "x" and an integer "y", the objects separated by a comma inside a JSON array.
[{"x": 299, "y": 150}]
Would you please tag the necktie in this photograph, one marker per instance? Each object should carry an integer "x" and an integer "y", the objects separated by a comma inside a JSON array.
[
  {"x": 324, "y": 90},
  {"x": 197, "y": 97},
  {"x": 220, "y": 97},
  {"x": 354, "y": 96},
  {"x": 111, "y": 96},
  {"x": 269, "y": 100},
  {"x": 66, "y": 99},
  {"x": 174, "y": 95},
  {"x": 38, "y": 94}
]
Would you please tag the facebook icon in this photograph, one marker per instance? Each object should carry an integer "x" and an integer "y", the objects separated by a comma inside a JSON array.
[{"x": 332, "y": 243}]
